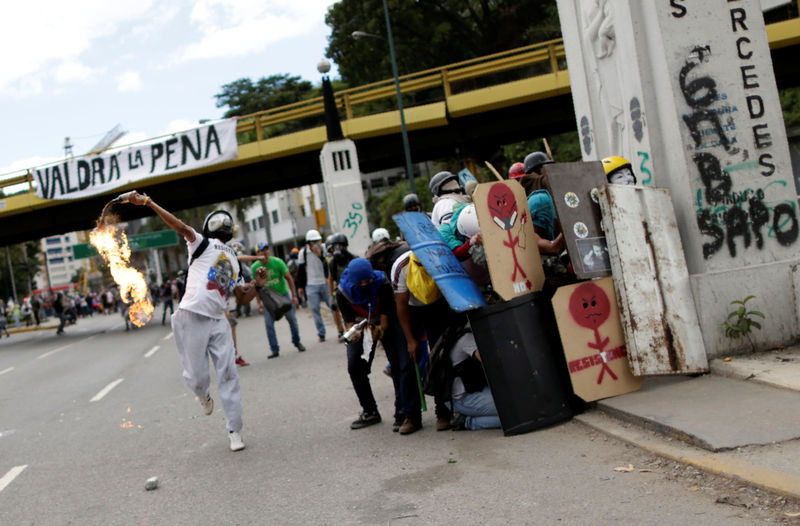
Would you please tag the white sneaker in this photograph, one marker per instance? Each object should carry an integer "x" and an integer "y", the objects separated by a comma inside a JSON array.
[
  {"x": 208, "y": 405},
  {"x": 236, "y": 441}
]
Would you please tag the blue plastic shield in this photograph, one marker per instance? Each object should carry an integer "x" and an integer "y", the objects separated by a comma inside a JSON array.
[{"x": 458, "y": 288}]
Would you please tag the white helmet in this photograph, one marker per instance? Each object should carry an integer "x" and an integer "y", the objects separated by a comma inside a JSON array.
[
  {"x": 313, "y": 235},
  {"x": 379, "y": 234},
  {"x": 468, "y": 221}
]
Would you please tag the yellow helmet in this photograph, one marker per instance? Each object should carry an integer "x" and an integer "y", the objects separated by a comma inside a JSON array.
[{"x": 614, "y": 163}]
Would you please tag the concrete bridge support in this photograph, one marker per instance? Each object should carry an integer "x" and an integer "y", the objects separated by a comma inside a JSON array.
[{"x": 685, "y": 90}]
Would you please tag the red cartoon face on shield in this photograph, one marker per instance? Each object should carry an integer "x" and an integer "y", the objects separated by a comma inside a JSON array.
[
  {"x": 502, "y": 206},
  {"x": 589, "y": 306}
]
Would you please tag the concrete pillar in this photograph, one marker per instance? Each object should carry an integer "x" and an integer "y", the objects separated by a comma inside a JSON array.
[
  {"x": 685, "y": 90},
  {"x": 344, "y": 196}
]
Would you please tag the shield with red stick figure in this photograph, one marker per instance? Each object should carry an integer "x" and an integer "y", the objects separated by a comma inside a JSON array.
[
  {"x": 598, "y": 367},
  {"x": 508, "y": 236}
]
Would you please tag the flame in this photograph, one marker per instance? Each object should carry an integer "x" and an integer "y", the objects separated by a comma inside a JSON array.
[{"x": 112, "y": 244}]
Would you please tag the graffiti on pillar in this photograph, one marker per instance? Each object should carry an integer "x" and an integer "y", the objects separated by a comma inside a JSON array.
[
  {"x": 606, "y": 71},
  {"x": 354, "y": 218},
  {"x": 644, "y": 169},
  {"x": 586, "y": 135},
  {"x": 732, "y": 219},
  {"x": 636, "y": 120}
]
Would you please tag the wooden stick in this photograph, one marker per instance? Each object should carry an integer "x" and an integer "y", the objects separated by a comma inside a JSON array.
[
  {"x": 547, "y": 147},
  {"x": 495, "y": 172}
]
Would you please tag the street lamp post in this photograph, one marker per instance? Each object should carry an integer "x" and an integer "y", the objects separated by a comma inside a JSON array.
[{"x": 403, "y": 131}]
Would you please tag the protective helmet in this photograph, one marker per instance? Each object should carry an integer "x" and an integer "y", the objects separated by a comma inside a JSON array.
[
  {"x": 615, "y": 163},
  {"x": 313, "y": 235},
  {"x": 218, "y": 225},
  {"x": 295, "y": 250},
  {"x": 337, "y": 239},
  {"x": 410, "y": 201},
  {"x": 468, "y": 221},
  {"x": 535, "y": 160},
  {"x": 438, "y": 180},
  {"x": 380, "y": 233},
  {"x": 516, "y": 171}
]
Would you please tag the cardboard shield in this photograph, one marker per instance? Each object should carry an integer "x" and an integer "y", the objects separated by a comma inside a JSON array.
[
  {"x": 574, "y": 190},
  {"x": 508, "y": 237},
  {"x": 593, "y": 341}
]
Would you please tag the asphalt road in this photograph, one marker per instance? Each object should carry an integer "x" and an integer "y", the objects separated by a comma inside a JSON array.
[{"x": 86, "y": 418}]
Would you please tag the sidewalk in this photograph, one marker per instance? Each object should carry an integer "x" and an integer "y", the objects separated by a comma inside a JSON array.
[{"x": 742, "y": 421}]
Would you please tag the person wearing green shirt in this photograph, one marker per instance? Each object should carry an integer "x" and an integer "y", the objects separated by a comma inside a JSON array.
[{"x": 279, "y": 279}]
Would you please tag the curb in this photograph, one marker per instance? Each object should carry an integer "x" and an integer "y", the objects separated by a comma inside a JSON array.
[
  {"x": 763, "y": 369},
  {"x": 722, "y": 464},
  {"x": 32, "y": 329}
]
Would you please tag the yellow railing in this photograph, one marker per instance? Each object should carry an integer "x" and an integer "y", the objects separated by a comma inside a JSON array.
[{"x": 431, "y": 85}]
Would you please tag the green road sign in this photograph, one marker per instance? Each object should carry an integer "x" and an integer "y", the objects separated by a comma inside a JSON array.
[{"x": 162, "y": 238}]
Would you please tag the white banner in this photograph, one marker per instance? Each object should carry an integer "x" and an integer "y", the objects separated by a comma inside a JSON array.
[{"x": 90, "y": 175}]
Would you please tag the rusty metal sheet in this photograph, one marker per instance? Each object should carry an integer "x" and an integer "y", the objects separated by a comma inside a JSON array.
[
  {"x": 573, "y": 187},
  {"x": 652, "y": 281}
]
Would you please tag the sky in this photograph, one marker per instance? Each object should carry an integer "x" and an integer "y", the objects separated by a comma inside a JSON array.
[{"x": 77, "y": 69}]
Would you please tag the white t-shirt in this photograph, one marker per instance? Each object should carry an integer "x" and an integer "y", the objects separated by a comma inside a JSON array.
[
  {"x": 315, "y": 273},
  {"x": 399, "y": 275},
  {"x": 463, "y": 349},
  {"x": 211, "y": 279}
]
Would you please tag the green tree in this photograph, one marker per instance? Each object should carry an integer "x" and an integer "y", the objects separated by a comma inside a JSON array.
[
  {"x": 790, "y": 104},
  {"x": 565, "y": 147},
  {"x": 380, "y": 209},
  {"x": 431, "y": 33},
  {"x": 25, "y": 264},
  {"x": 243, "y": 96}
]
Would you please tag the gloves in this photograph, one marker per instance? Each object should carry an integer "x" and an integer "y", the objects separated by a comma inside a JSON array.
[{"x": 377, "y": 332}]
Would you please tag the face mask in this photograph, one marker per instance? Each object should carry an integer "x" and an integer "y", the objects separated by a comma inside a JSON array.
[{"x": 622, "y": 176}]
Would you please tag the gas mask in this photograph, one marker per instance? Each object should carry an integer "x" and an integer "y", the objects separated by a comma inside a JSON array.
[{"x": 622, "y": 176}]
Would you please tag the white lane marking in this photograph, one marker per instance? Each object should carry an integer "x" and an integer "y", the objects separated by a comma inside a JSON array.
[
  {"x": 50, "y": 353},
  {"x": 4, "y": 371},
  {"x": 167, "y": 337},
  {"x": 9, "y": 477},
  {"x": 105, "y": 390},
  {"x": 149, "y": 353}
]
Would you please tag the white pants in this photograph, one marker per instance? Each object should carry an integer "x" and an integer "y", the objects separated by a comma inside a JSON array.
[{"x": 198, "y": 337}]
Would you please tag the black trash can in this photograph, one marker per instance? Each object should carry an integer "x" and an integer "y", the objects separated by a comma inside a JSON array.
[{"x": 521, "y": 353}]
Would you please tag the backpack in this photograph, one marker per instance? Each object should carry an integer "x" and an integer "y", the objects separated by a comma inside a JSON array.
[
  {"x": 419, "y": 282},
  {"x": 439, "y": 372}
]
